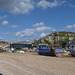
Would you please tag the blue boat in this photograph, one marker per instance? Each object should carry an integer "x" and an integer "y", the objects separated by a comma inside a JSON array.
[{"x": 44, "y": 49}]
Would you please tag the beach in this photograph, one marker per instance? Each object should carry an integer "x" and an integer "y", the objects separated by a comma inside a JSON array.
[{"x": 30, "y": 63}]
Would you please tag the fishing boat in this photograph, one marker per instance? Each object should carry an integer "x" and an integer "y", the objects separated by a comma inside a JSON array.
[
  {"x": 44, "y": 49},
  {"x": 73, "y": 53}
]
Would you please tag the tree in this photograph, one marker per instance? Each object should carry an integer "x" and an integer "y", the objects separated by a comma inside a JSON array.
[{"x": 46, "y": 41}]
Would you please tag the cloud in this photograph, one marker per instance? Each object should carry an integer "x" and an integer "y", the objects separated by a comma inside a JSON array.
[
  {"x": 3, "y": 17},
  {"x": 45, "y": 4},
  {"x": 38, "y": 24},
  {"x": 17, "y": 6},
  {"x": 40, "y": 29},
  {"x": 1, "y": 38},
  {"x": 43, "y": 35},
  {"x": 14, "y": 26},
  {"x": 33, "y": 32},
  {"x": 69, "y": 27},
  {"x": 25, "y": 33},
  {"x": 5, "y": 33},
  {"x": 24, "y": 6},
  {"x": 72, "y": 5},
  {"x": 4, "y": 23}
]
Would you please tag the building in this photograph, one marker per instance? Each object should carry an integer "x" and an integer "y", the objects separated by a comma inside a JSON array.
[{"x": 19, "y": 46}]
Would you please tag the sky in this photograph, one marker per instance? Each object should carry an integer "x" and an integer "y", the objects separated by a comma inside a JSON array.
[{"x": 22, "y": 20}]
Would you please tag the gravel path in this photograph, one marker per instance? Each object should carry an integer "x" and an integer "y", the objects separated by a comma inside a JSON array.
[{"x": 34, "y": 64}]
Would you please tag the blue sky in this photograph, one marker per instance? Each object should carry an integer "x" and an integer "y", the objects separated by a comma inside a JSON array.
[{"x": 21, "y": 20}]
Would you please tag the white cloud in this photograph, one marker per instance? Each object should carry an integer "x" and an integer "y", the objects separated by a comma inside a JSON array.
[
  {"x": 24, "y": 6},
  {"x": 1, "y": 38},
  {"x": 44, "y": 3},
  {"x": 4, "y": 23},
  {"x": 43, "y": 35},
  {"x": 5, "y": 33},
  {"x": 17, "y": 6},
  {"x": 3, "y": 17},
  {"x": 25, "y": 33},
  {"x": 32, "y": 32},
  {"x": 69, "y": 27},
  {"x": 72, "y": 5},
  {"x": 40, "y": 29},
  {"x": 14, "y": 26},
  {"x": 38, "y": 24},
  {"x": 18, "y": 33}
]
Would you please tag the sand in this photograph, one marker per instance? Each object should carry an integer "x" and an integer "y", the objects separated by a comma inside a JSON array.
[{"x": 33, "y": 64}]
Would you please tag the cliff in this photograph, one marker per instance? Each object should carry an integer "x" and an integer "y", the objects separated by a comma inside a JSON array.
[{"x": 57, "y": 38}]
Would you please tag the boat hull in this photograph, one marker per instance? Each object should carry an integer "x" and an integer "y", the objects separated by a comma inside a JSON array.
[{"x": 73, "y": 55}]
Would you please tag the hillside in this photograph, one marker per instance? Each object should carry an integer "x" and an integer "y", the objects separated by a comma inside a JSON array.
[{"x": 57, "y": 37}]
